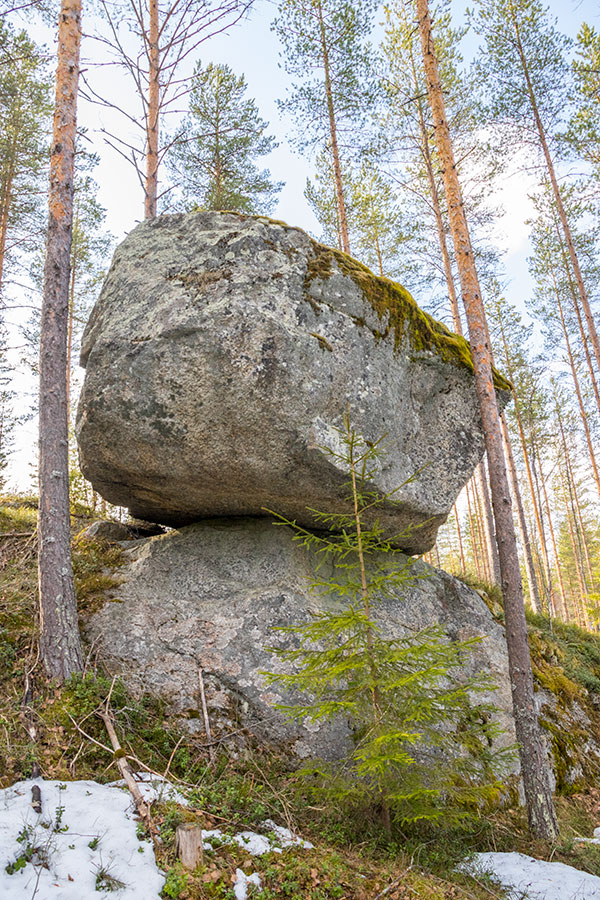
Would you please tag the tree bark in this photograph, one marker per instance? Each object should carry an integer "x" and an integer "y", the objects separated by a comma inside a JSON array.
[
  {"x": 60, "y": 643},
  {"x": 151, "y": 186},
  {"x": 5, "y": 201},
  {"x": 337, "y": 169},
  {"x": 534, "y": 763},
  {"x": 534, "y": 595},
  {"x": 435, "y": 202},
  {"x": 561, "y": 587},
  {"x": 476, "y": 562},
  {"x": 546, "y": 580},
  {"x": 582, "y": 411},
  {"x": 463, "y": 567},
  {"x": 584, "y": 337},
  {"x": 488, "y": 525}
]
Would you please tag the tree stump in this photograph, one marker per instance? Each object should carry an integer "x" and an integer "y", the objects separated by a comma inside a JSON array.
[{"x": 188, "y": 844}]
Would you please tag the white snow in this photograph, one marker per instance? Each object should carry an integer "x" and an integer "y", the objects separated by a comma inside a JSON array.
[
  {"x": 91, "y": 813},
  {"x": 535, "y": 878},
  {"x": 76, "y": 814},
  {"x": 240, "y": 885}
]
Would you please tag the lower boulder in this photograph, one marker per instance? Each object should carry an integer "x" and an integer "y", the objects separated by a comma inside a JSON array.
[{"x": 209, "y": 599}]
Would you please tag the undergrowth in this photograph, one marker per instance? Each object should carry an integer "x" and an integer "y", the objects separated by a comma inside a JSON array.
[{"x": 353, "y": 858}]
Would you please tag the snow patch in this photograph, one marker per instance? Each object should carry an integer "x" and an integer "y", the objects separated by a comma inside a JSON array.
[
  {"x": 84, "y": 845},
  {"x": 84, "y": 838},
  {"x": 536, "y": 879},
  {"x": 240, "y": 885}
]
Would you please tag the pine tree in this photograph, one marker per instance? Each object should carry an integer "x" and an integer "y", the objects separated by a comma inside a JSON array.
[
  {"x": 534, "y": 766},
  {"x": 523, "y": 68},
  {"x": 326, "y": 51},
  {"x": 24, "y": 125},
  {"x": 224, "y": 135},
  {"x": 423, "y": 748},
  {"x": 583, "y": 133},
  {"x": 60, "y": 643},
  {"x": 8, "y": 417},
  {"x": 162, "y": 36}
]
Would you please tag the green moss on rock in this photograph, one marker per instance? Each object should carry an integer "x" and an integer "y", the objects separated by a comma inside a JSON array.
[{"x": 397, "y": 309}]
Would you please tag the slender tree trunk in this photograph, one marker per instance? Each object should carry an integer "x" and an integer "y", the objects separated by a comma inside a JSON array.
[
  {"x": 584, "y": 337},
  {"x": 435, "y": 202},
  {"x": 488, "y": 523},
  {"x": 70, "y": 335},
  {"x": 546, "y": 581},
  {"x": 578, "y": 567},
  {"x": 580, "y": 525},
  {"x": 557, "y": 195},
  {"x": 534, "y": 763},
  {"x": 5, "y": 201},
  {"x": 478, "y": 570},
  {"x": 566, "y": 481},
  {"x": 582, "y": 412},
  {"x": 534, "y": 595},
  {"x": 538, "y": 499},
  {"x": 152, "y": 113},
  {"x": 483, "y": 549},
  {"x": 60, "y": 644},
  {"x": 461, "y": 551},
  {"x": 561, "y": 587},
  {"x": 337, "y": 168}
]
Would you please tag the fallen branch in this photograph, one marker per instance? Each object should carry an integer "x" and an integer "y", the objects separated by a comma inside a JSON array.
[
  {"x": 120, "y": 757},
  {"x": 211, "y": 749}
]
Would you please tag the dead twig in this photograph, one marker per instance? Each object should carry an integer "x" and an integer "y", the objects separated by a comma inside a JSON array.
[
  {"x": 120, "y": 757},
  {"x": 211, "y": 749}
]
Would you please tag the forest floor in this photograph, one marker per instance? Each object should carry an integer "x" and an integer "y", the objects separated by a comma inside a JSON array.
[{"x": 350, "y": 857}]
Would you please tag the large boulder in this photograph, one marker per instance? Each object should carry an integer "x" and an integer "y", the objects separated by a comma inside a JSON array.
[
  {"x": 221, "y": 357},
  {"x": 211, "y": 597}
]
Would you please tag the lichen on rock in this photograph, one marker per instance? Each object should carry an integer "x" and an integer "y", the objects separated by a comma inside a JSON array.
[{"x": 220, "y": 345}]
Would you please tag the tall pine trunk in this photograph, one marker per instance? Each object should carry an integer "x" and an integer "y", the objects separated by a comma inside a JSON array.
[
  {"x": 337, "y": 168},
  {"x": 580, "y": 403},
  {"x": 546, "y": 579},
  {"x": 584, "y": 337},
  {"x": 60, "y": 643},
  {"x": 532, "y": 583},
  {"x": 534, "y": 762},
  {"x": 152, "y": 114}
]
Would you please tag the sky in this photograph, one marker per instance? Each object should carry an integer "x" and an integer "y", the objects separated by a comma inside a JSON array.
[{"x": 252, "y": 49}]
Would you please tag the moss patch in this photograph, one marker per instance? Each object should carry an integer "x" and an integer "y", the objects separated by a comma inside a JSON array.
[{"x": 396, "y": 309}]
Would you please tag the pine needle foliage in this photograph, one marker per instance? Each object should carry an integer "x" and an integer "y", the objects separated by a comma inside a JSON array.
[{"x": 422, "y": 749}]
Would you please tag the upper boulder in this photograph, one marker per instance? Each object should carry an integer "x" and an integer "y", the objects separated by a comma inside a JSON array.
[{"x": 221, "y": 357}]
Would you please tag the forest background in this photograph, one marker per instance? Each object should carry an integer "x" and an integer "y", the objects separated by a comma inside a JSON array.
[{"x": 552, "y": 451}]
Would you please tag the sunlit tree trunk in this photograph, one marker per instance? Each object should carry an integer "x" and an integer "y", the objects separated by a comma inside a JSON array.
[
  {"x": 488, "y": 525},
  {"x": 534, "y": 764},
  {"x": 547, "y": 576},
  {"x": 461, "y": 551},
  {"x": 557, "y": 195},
  {"x": 561, "y": 587},
  {"x": 472, "y": 529},
  {"x": 584, "y": 337},
  {"x": 337, "y": 168},
  {"x": 152, "y": 136},
  {"x": 522, "y": 522},
  {"x": 60, "y": 643}
]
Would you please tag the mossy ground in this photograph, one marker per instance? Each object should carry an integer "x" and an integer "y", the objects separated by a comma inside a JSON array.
[{"x": 353, "y": 858}]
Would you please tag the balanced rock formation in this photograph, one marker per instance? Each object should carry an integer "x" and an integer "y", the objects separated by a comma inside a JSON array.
[
  {"x": 210, "y": 598},
  {"x": 221, "y": 357}
]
